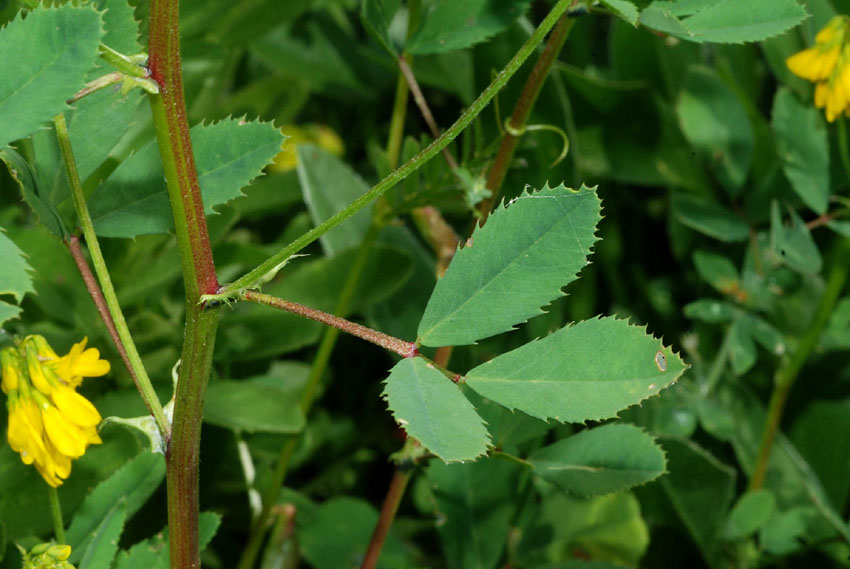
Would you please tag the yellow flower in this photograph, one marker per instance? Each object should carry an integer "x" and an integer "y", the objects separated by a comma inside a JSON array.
[
  {"x": 79, "y": 363},
  {"x": 827, "y": 64},
  {"x": 49, "y": 422},
  {"x": 322, "y": 136},
  {"x": 47, "y": 556}
]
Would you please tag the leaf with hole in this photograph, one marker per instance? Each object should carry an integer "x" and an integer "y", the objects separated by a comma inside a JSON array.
[{"x": 588, "y": 371}]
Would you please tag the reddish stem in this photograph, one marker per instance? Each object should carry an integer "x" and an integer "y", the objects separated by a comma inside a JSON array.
[
  {"x": 99, "y": 301},
  {"x": 402, "y": 348},
  {"x": 391, "y": 502}
]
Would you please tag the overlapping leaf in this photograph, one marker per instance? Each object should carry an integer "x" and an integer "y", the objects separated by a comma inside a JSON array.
[
  {"x": 449, "y": 25},
  {"x": 723, "y": 21},
  {"x": 252, "y": 406},
  {"x": 15, "y": 279},
  {"x": 512, "y": 266},
  {"x": 44, "y": 59},
  {"x": 228, "y": 155},
  {"x": 610, "y": 458},
  {"x": 434, "y": 411},
  {"x": 588, "y": 371}
]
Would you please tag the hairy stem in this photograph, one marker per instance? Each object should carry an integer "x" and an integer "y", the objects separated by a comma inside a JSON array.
[
  {"x": 125, "y": 342},
  {"x": 199, "y": 277},
  {"x": 517, "y": 123},
  {"x": 395, "y": 493},
  {"x": 787, "y": 373},
  {"x": 401, "y": 347},
  {"x": 272, "y": 263}
]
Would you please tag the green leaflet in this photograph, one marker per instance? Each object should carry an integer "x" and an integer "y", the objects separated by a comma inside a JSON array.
[
  {"x": 723, "y": 21},
  {"x": 33, "y": 193},
  {"x": 448, "y": 25},
  {"x": 376, "y": 16},
  {"x": 700, "y": 489},
  {"x": 337, "y": 534},
  {"x": 329, "y": 185},
  {"x": 588, "y": 371},
  {"x": 801, "y": 138},
  {"x": 512, "y": 266},
  {"x": 625, "y": 9},
  {"x": 251, "y": 406},
  {"x": 475, "y": 502},
  {"x": 793, "y": 243},
  {"x": 751, "y": 512},
  {"x": 131, "y": 485},
  {"x": 606, "y": 459},
  {"x": 45, "y": 58},
  {"x": 716, "y": 124},
  {"x": 709, "y": 217},
  {"x": 152, "y": 553},
  {"x": 228, "y": 155},
  {"x": 434, "y": 411},
  {"x": 15, "y": 279},
  {"x": 103, "y": 545}
]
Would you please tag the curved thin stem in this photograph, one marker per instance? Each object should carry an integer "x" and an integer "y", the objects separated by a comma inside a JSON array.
[
  {"x": 272, "y": 263},
  {"x": 125, "y": 339},
  {"x": 395, "y": 493}
]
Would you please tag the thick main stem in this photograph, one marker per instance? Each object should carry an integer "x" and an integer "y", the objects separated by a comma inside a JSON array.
[{"x": 199, "y": 277}]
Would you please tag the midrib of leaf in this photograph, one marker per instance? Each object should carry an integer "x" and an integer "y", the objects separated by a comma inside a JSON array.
[{"x": 512, "y": 261}]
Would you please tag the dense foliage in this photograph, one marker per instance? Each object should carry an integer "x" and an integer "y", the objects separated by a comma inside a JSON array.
[{"x": 639, "y": 359}]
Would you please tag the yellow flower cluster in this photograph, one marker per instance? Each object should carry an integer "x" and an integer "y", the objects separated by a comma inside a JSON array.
[
  {"x": 827, "y": 65},
  {"x": 47, "y": 556},
  {"x": 49, "y": 422},
  {"x": 322, "y": 136}
]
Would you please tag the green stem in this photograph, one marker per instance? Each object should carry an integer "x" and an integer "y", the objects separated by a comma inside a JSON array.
[
  {"x": 199, "y": 277},
  {"x": 129, "y": 65},
  {"x": 56, "y": 513},
  {"x": 516, "y": 125},
  {"x": 125, "y": 339},
  {"x": 395, "y": 493},
  {"x": 397, "y": 121},
  {"x": 844, "y": 152},
  {"x": 320, "y": 363},
  {"x": 272, "y": 263},
  {"x": 719, "y": 362},
  {"x": 787, "y": 373}
]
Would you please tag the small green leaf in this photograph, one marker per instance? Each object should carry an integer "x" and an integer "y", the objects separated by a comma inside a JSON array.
[
  {"x": 153, "y": 553},
  {"x": 710, "y": 218},
  {"x": 132, "y": 485},
  {"x": 33, "y": 193},
  {"x": 709, "y": 310},
  {"x": 700, "y": 489},
  {"x": 782, "y": 535},
  {"x": 802, "y": 144},
  {"x": 624, "y": 9},
  {"x": 228, "y": 154},
  {"x": 718, "y": 271},
  {"x": 103, "y": 545},
  {"x": 512, "y": 266},
  {"x": 337, "y": 534},
  {"x": 434, "y": 411},
  {"x": 474, "y": 502},
  {"x": 742, "y": 348},
  {"x": 45, "y": 58},
  {"x": 751, "y": 512},
  {"x": 376, "y": 16},
  {"x": 610, "y": 458},
  {"x": 329, "y": 185},
  {"x": 252, "y": 406},
  {"x": 590, "y": 370},
  {"x": 448, "y": 25},
  {"x": 715, "y": 122},
  {"x": 723, "y": 21},
  {"x": 793, "y": 243},
  {"x": 15, "y": 278}
]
